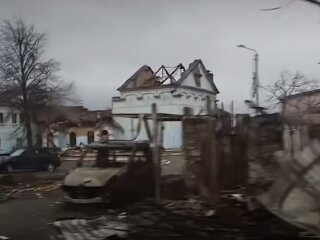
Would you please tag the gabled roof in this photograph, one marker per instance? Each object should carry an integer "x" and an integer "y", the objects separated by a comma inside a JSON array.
[
  {"x": 134, "y": 76},
  {"x": 192, "y": 66},
  {"x": 177, "y": 83}
]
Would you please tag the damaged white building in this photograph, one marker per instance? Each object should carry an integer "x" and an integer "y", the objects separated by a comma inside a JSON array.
[{"x": 173, "y": 89}]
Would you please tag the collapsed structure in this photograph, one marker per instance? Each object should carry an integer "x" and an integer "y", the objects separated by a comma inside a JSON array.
[{"x": 62, "y": 126}]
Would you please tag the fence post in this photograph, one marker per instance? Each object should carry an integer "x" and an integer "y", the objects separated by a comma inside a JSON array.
[{"x": 155, "y": 152}]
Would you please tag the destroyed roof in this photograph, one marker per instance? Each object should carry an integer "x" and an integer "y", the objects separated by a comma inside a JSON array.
[
  {"x": 146, "y": 78},
  {"x": 74, "y": 114}
]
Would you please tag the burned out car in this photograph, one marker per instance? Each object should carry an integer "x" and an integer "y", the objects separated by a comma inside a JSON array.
[{"x": 122, "y": 172}]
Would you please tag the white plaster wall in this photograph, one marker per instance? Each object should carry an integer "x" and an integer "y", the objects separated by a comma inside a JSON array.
[
  {"x": 205, "y": 83},
  {"x": 296, "y": 140},
  {"x": 8, "y": 139},
  {"x": 140, "y": 102},
  {"x": 81, "y": 135}
]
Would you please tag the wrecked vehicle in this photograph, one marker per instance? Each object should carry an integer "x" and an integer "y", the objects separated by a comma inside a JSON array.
[{"x": 122, "y": 172}]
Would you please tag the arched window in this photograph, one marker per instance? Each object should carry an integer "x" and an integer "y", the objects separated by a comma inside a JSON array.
[
  {"x": 104, "y": 136},
  {"x": 73, "y": 139},
  {"x": 90, "y": 137}
]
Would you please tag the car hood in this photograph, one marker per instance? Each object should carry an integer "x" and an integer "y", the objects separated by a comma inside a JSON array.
[{"x": 91, "y": 176}]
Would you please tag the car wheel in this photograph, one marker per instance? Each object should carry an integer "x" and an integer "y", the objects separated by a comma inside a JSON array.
[
  {"x": 9, "y": 168},
  {"x": 50, "y": 167}
]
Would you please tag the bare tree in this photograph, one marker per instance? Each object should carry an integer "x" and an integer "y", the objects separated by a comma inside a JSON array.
[
  {"x": 287, "y": 85},
  {"x": 27, "y": 80},
  {"x": 298, "y": 98}
]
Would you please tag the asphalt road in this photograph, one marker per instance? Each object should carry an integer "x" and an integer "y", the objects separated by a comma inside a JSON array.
[{"x": 28, "y": 217}]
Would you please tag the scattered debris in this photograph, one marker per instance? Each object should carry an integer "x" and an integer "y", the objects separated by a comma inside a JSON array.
[
  {"x": 48, "y": 188},
  {"x": 238, "y": 197},
  {"x": 98, "y": 229},
  {"x": 165, "y": 162},
  {"x": 39, "y": 195},
  {"x": 122, "y": 215},
  {"x": 13, "y": 191},
  {"x": 182, "y": 219},
  {"x": 210, "y": 213}
]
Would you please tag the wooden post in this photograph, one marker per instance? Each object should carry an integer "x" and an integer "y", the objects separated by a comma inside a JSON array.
[
  {"x": 156, "y": 152},
  {"x": 210, "y": 156}
]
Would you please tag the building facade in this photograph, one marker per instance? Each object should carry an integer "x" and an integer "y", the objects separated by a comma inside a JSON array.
[
  {"x": 11, "y": 130},
  {"x": 172, "y": 89},
  {"x": 70, "y": 126},
  {"x": 55, "y": 127},
  {"x": 301, "y": 118}
]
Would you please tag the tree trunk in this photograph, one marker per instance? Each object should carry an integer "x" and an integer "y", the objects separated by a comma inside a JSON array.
[
  {"x": 28, "y": 129},
  {"x": 27, "y": 121}
]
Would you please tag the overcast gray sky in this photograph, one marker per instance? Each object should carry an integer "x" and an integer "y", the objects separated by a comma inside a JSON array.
[{"x": 100, "y": 43}]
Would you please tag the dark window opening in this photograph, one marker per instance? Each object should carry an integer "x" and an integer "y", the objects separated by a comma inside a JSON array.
[
  {"x": 1, "y": 118},
  {"x": 73, "y": 139},
  {"x": 14, "y": 118},
  {"x": 197, "y": 76},
  {"x": 104, "y": 136},
  {"x": 90, "y": 136},
  {"x": 21, "y": 116}
]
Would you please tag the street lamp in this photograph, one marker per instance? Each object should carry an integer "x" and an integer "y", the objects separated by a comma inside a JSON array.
[{"x": 255, "y": 76}]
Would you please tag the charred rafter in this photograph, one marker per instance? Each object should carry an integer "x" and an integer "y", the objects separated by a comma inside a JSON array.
[{"x": 165, "y": 73}]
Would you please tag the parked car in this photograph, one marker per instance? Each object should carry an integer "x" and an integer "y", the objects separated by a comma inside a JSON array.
[
  {"x": 31, "y": 159},
  {"x": 121, "y": 173}
]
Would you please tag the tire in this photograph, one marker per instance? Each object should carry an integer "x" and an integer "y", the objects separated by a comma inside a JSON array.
[
  {"x": 9, "y": 168},
  {"x": 50, "y": 167}
]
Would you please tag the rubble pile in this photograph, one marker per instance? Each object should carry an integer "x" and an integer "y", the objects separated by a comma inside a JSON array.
[
  {"x": 194, "y": 219},
  {"x": 183, "y": 219},
  {"x": 94, "y": 229}
]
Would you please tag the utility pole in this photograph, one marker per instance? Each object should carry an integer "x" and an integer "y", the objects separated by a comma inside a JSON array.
[
  {"x": 255, "y": 77},
  {"x": 255, "y": 82}
]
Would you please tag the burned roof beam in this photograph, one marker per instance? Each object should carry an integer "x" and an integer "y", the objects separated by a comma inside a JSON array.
[{"x": 179, "y": 67}]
